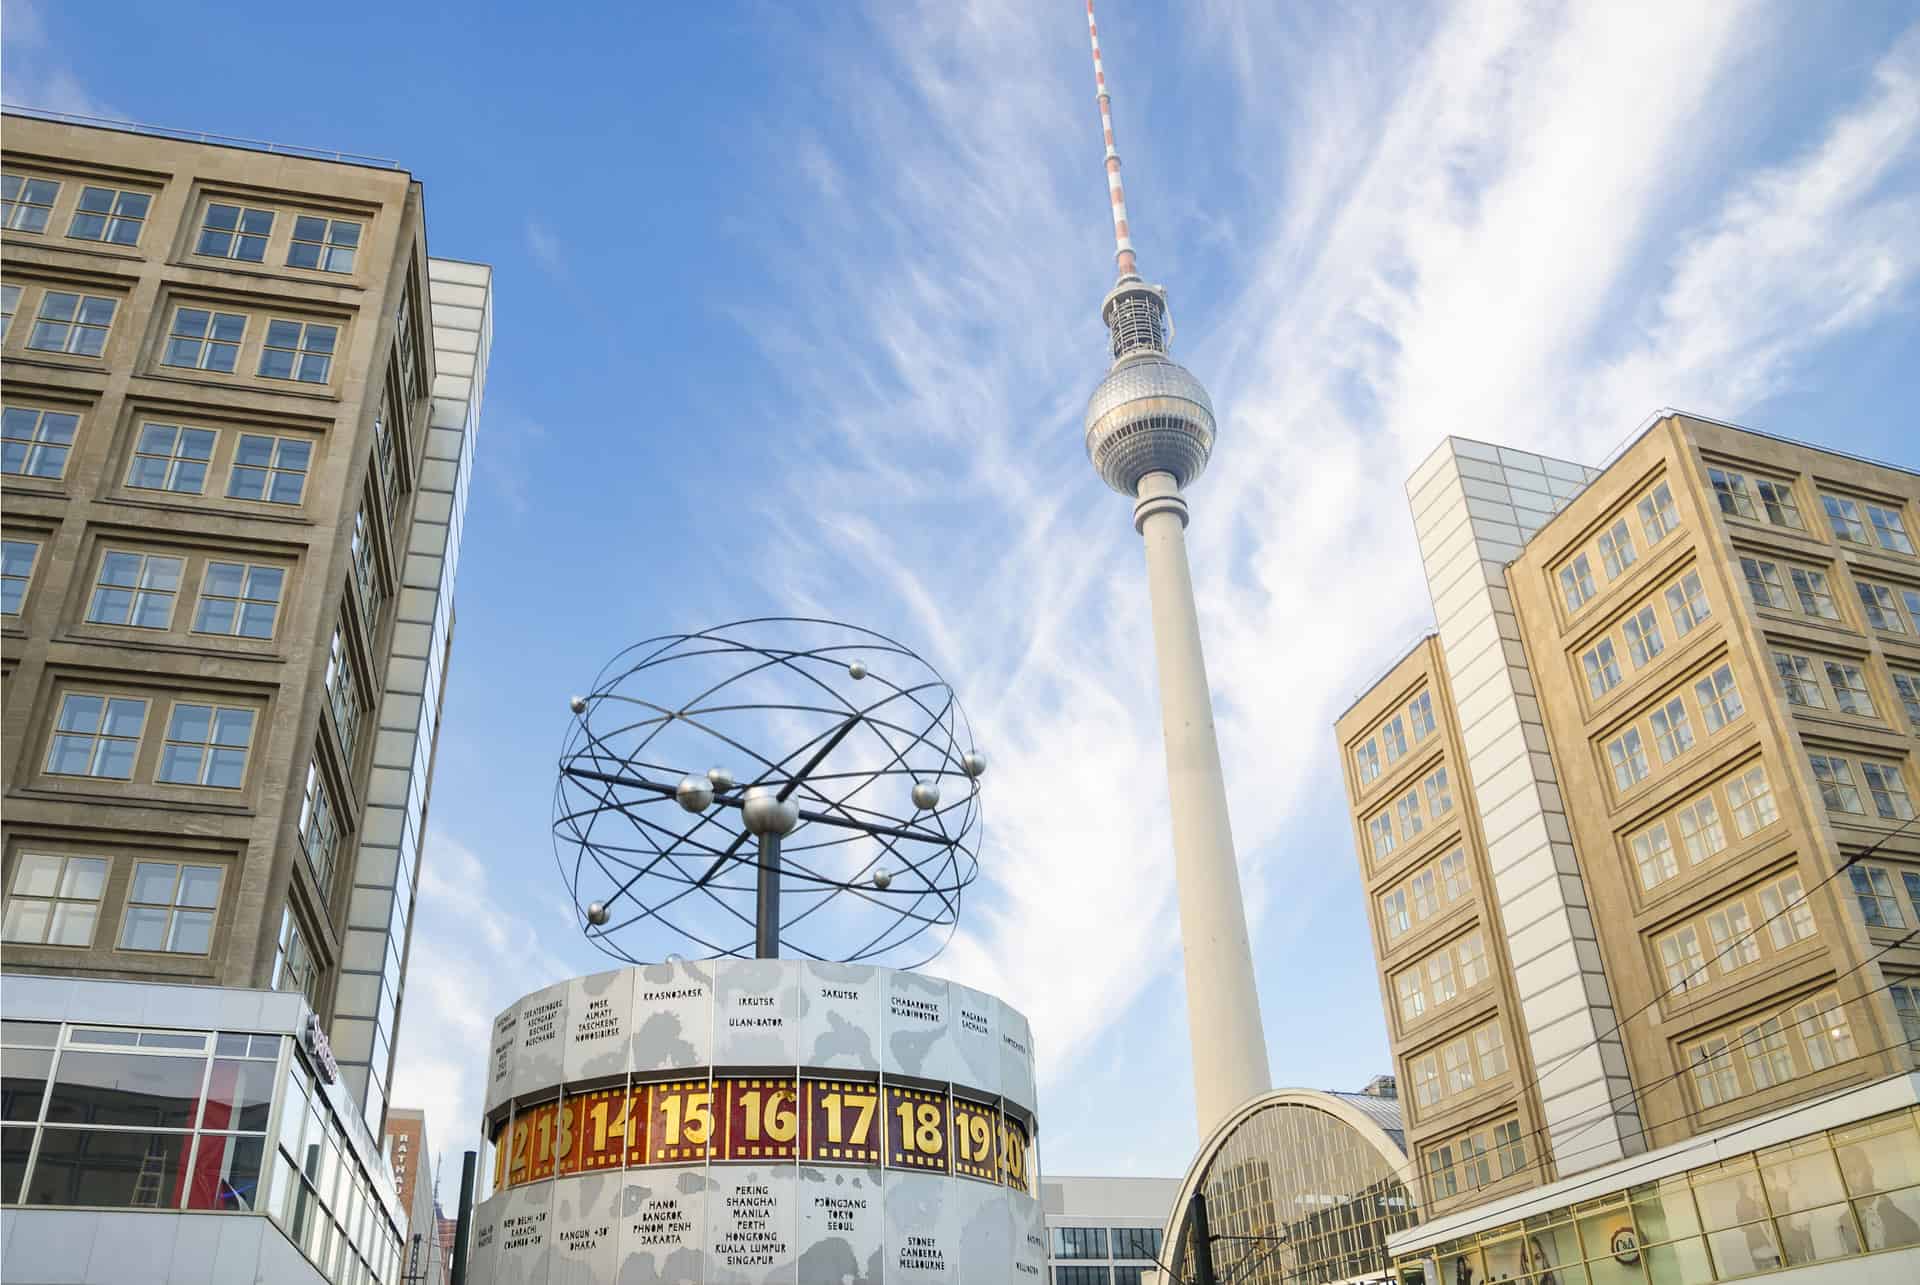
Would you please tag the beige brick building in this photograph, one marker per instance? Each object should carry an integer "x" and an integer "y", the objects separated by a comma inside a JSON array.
[
  {"x": 1677, "y": 702},
  {"x": 240, "y": 403}
]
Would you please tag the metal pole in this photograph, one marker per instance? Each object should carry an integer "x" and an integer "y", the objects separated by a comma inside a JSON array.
[
  {"x": 766, "y": 933},
  {"x": 464, "y": 1223},
  {"x": 1201, "y": 1237}
]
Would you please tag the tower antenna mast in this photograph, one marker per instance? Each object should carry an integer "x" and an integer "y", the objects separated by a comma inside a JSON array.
[{"x": 1150, "y": 432}]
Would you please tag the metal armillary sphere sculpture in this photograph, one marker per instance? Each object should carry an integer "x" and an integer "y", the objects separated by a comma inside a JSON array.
[{"x": 778, "y": 784}]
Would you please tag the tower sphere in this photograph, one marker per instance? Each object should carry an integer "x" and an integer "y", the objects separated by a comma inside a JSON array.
[{"x": 1149, "y": 415}]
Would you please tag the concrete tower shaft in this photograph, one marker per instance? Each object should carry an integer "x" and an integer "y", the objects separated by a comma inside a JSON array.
[{"x": 1150, "y": 432}]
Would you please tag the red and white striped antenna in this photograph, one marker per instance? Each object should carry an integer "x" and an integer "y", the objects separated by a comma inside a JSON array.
[{"x": 1122, "y": 240}]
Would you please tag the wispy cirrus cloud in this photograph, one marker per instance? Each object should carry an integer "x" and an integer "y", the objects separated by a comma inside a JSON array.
[
  {"x": 1499, "y": 220},
  {"x": 36, "y": 73}
]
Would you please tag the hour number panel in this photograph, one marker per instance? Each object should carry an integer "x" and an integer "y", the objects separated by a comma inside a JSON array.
[
  {"x": 916, "y": 1130},
  {"x": 762, "y": 1119},
  {"x": 843, "y": 1122}
]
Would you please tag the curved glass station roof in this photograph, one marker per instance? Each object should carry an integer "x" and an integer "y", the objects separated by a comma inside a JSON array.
[{"x": 1302, "y": 1187}]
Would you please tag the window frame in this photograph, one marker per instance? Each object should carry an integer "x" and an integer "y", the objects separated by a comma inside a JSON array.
[
  {"x": 1688, "y": 608},
  {"x": 174, "y": 908},
  {"x": 238, "y": 235},
  {"x": 300, "y": 352},
  {"x": 208, "y": 343},
  {"x": 209, "y": 749},
  {"x": 56, "y": 900},
  {"x": 97, "y": 735},
  {"x": 1658, "y": 516},
  {"x": 8, "y": 578},
  {"x": 76, "y": 324},
  {"x": 271, "y": 471},
  {"x": 39, "y": 442},
  {"x": 137, "y": 591},
  {"x": 112, "y": 216},
  {"x": 1576, "y": 583},
  {"x": 175, "y": 462},
  {"x": 240, "y": 600},
  {"x": 17, "y": 210}
]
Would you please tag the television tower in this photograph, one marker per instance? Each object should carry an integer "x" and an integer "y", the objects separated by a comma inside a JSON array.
[{"x": 1150, "y": 430}]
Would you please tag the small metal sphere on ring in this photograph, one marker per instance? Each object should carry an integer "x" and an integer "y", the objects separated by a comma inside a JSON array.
[
  {"x": 720, "y": 777},
  {"x": 578, "y": 704},
  {"x": 974, "y": 764},
  {"x": 926, "y": 795},
  {"x": 883, "y": 879},
  {"x": 694, "y": 794},
  {"x": 598, "y": 914},
  {"x": 858, "y": 669}
]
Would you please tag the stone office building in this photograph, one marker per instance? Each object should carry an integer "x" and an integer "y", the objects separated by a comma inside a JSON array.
[
  {"x": 1636, "y": 825},
  {"x": 240, "y": 409}
]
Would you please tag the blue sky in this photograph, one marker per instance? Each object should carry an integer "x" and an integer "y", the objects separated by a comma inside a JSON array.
[{"x": 796, "y": 308}]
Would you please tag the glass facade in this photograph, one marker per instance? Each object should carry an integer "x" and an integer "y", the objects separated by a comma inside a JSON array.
[
  {"x": 113, "y": 1117},
  {"x": 367, "y": 1003},
  {"x": 1100, "y": 1255},
  {"x": 1298, "y": 1196},
  {"x": 1840, "y": 1193}
]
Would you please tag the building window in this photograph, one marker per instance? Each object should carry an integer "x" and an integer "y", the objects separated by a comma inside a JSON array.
[
  {"x": 1439, "y": 793},
  {"x": 35, "y": 443},
  {"x": 1882, "y": 614},
  {"x": 239, "y": 599},
  {"x": 1395, "y": 736},
  {"x": 1475, "y": 1168},
  {"x": 386, "y": 457},
  {"x": 1713, "y": 1076},
  {"x": 1366, "y": 761},
  {"x": 1393, "y": 914},
  {"x": 1836, "y": 783},
  {"x": 1083, "y": 1274},
  {"x": 1907, "y": 687},
  {"x": 97, "y": 736},
  {"x": 297, "y": 350},
  {"x": 171, "y": 907},
  {"x": 1888, "y": 529},
  {"x": 1410, "y": 820},
  {"x": 207, "y": 745},
  {"x": 1734, "y": 946},
  {"x": 1513, "y": 1151},
  {"x": 1657, "y": 515},
  {"x": 1420, "y": 714},
  {"x": 1844, "y": 517},
  {"x": 1687, "y": 602},
  {"x": 1763, "y": 583},
  {"x": 1797, "y": 681},
  {"x": 270, "y": 469},
  {"x": 1136, "y": 1242},
  {"x": 1616, "y": 549},
  {"x": 1440, "y": 979},
  {"x": 1752, "y": 800},
  {"x": 1629, "y": 758},
  {"x": 1441, "y": 1182},
  {"x": 1458, "y": 1066},
  {"x": 1888, "y": 790},
  {"x": 343, "y": 694},
  {"x": 1426, "y": 1081},
  {"x": 1906, "y": 1003},
  {"x": 1672, "y": 733},
  {"x": 1653, "y": 856},
  {"x": 72, "y": 323},
  {"x": 1643, "y": 636},
  {"x": 235, "y": 232},
  {"x": 1824, "y": 1031},
  {"x": 293, "y": 965},
  {"x": 110, "y": 215},
  {"x": 1576, "y": 582},
  {"x": 1079, "y": 1242},
  {"x": 16, "y": 572},
  {"x": 205, "y": 340},
  {"x": 1426, "y": 901},
  {"x": 1413, "y": 1000},
  {"x": 318, "y": 837},
  {"x": 135, "y": 589},
  {"x": 1850, "y": 693},
  {"x": 1810, "y": 587},
  {"x": 1788, "y": 916},
  {"x": 1769, "y": 1056},
  {"x": 1873, "y": 889},
  {"x": 1380, "y": 830},
  {"x": 403, "y": 338},
  {"x": 1473, "y": 961},
  {"x": 1680, "y": 957},
  {"x": 54, "y": 901},
  {"x": 323, "y": 244},
  {"x": 1491, "y": 1048},
  {"x": 1776, "y": 498},
  {"x": 1455, "y": 881},
  {"x": 169, "y": 457},
  {"x": 27, "y": 203},
  {"x": 9, "y": 304},
  {"x": 1730, "y": 489},
  {"x": 1700, "y": 832},
  {"x": 1603, "y": 668},
  {"x": 1719, "y": 698}
]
